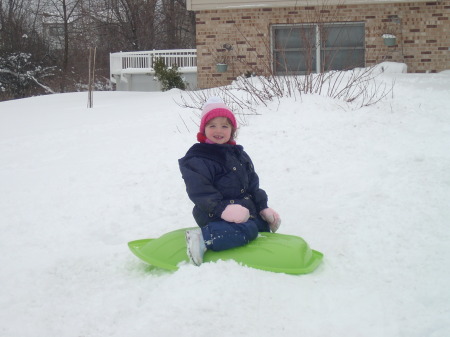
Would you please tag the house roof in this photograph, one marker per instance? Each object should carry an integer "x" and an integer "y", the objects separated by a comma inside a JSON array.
[{"x": 198, "y": 5}]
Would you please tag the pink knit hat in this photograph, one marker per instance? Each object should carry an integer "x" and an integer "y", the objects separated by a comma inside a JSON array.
[{"x": 214, "y": 107}]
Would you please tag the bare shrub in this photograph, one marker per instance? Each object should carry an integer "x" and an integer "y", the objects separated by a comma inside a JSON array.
[{"x": 358, "y": 88}]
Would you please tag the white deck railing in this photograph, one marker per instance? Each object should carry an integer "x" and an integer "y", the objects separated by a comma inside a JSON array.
[{"x": 142, "y": 61}]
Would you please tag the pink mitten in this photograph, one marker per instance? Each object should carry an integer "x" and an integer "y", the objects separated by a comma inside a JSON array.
[
  {"x": 235, "y": 213},
  {"x": 272, "y": 217}
]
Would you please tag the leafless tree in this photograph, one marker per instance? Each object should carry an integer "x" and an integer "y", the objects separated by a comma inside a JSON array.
[
  {"x": 65, "y": 13},
  {"x": 178, "y": 24},
  {"x": 131, "y": 21},
  {"x": 13, "y": 22}
]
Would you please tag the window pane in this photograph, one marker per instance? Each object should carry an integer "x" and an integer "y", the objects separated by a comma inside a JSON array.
[
  {"x": 294, "y": 38},
  {"x": 342, "y": 59},
  {"x": 295, "y": 62},
  {"x": 343, "y": 35}
]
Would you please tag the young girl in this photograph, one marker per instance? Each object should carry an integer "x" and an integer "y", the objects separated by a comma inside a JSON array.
[{"x": 230, "y": 208}]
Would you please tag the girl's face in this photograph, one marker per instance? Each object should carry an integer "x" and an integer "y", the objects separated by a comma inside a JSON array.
[{"x": 218, "y": 130}]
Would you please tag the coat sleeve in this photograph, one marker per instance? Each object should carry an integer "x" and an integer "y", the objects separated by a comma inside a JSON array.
[
  {"x": 259, "y": 195},
  {"x": 199, "y": 179}
]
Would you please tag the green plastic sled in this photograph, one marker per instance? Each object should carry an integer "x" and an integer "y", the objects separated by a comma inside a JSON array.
[{"x": 278, "y": 253}]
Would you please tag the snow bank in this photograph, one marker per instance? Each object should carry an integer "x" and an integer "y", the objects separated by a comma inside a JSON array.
[
  {"x": 370, "y": 188},
  {"x": 391, "y": 67}
]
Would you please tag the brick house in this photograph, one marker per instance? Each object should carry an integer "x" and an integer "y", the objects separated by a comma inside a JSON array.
[{"x": 288, "y": 36}]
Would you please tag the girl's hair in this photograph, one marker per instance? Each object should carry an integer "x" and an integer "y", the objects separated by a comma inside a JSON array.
[{"x": 234, "y": 132}]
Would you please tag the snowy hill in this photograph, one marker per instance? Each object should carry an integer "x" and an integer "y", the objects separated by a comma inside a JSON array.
[{"x": 370, "y": 188}]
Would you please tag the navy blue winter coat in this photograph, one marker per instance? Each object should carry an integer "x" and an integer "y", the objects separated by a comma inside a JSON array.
[{"x": 218, "y": 175}]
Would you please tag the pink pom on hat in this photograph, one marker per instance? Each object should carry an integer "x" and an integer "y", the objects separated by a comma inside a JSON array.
[{"x": 214, "y": 107}]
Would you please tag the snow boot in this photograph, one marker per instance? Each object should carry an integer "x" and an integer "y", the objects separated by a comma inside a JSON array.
[{"x": 196, "y": 247}]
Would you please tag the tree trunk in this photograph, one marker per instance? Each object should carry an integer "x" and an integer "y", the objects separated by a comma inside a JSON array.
[{"x": 65, "y": 62}]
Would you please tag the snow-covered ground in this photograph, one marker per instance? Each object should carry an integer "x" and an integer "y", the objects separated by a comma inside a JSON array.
[{"x": 370, "y": 188}]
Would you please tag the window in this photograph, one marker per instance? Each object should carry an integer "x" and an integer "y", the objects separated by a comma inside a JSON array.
[
  {"x": 300, "y": 49},
  {"x": 56, "y": 30}
]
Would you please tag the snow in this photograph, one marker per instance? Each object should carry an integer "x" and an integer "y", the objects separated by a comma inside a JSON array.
[
  {"x": 369, "y": 187},
  {"x": 391, "y": 67}
]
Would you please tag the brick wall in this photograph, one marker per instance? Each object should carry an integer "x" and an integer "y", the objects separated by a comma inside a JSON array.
[{"x": 422, "y": 30}]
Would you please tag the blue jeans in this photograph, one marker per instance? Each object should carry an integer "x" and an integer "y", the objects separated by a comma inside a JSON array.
[{"x": 221, "y": 235}]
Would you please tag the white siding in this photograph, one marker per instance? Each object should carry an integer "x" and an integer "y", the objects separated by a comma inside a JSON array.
[{"x": 197, "y": 5}]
